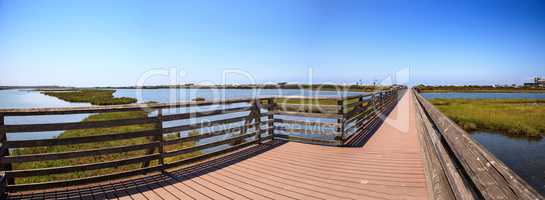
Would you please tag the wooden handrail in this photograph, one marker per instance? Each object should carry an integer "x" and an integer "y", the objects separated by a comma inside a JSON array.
[
  {"x": 116, "y": 108},
  {"x": 76, "y": 125},
  {"x": 79, "y": 140},
  {"x": 489, "y": 176}
]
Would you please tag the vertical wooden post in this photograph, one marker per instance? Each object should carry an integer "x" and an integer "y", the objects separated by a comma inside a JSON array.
[
  {"x": 257, "y": 115},
  {"x": 247, "y": 123},
  {"x": 382, "y": 102},
  {"x": 160, "y": 138},
  {"x": 340, "y": 121},
  {"x": 4, "y": 151},
  {"x": 359, "y": 121},
  {"x": 270, "y": 117},
  {"x": 375, "y": 101}
]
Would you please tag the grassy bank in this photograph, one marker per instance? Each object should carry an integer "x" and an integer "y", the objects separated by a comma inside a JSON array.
[
  {"x": 477, "y": 89},
  {"x": 95, "y": 97},
  {"x": 101, "y": 98},
  {"x": 511, "y": 116}
]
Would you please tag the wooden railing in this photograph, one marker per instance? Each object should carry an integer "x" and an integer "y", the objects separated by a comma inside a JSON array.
[
  {"x": 459, "y": 167},
  {"x": 235, "y": 124},
  {"x": 339, "y": 123}
]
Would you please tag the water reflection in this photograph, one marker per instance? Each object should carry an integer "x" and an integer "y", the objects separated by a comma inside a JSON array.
[{"x": 525, "y": 155}]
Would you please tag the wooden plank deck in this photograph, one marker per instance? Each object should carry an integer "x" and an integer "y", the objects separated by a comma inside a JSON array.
[{"x": 389, "y": 166}]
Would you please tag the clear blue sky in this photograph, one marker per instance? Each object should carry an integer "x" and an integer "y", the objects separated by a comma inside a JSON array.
[{"x": 88, "y": 43}]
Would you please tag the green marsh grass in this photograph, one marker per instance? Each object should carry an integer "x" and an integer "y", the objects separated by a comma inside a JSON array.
[
  {"x": 95, "y": 97},
  {"x": 477, "y": 89},
  {"x": 523, "y": 117}
]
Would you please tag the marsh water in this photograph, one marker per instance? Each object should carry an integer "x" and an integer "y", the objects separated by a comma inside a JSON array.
[
  {"x": 525, "y": 155},
  {"x": 32, "y": 99}
]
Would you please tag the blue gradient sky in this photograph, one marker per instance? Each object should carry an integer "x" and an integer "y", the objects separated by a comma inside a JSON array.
[{"x": 114, "y": 42}]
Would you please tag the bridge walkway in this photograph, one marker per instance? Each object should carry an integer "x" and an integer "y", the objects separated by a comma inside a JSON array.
[{"x": 389, "y": 166}]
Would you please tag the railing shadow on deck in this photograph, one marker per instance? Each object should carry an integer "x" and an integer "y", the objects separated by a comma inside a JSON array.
[
  {"x": 360, "y": 139},
  {"x": 121, "y": 188}
]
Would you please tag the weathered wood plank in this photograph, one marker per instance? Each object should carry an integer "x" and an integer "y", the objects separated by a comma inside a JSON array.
[
  {"x": 4, "y": 151},
  {"x": 76, "y": 154},
  {"x": 307, "y": 131},
  {"x": 306, "y": 97},
  {"x": 270, "y": 117},
  {"x": 79, "y": 140},
  {"x": 257, "y": 118},
  {"x": 77, "y": 125},
  {"x": 81, "y": 181},
  {"x": 358, "y": 113},
  {"x": 358, "y": 103},
  {"x": 116, "y": 108},
  {"x": 203, "y": 124},
  {"x": 492, "y": 178},
  {"x": 83, "y": 167},
  {"x": 306, "y": 140},
  {"x": 447, "y": 181},
  {"x": 204, "y": 113},
  {"x": 303, "y": 114},
  {"x": 307, "y": 123},
  {"x": 209, "y": 134},
  {"x": 160, "y": 138},
  {"x": 325, "y": 109},
  {"x": 341, "y": 121},
  {"x": 358, "y": 96}
]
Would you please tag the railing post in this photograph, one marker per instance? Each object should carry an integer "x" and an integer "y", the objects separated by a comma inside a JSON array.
[
  {"x": 158, "y": 137},
  {"x": 4, "y": 152},
  {"x": 161, "y": 139},
  {"x": 381, "y": 99},
  {"x": 340, "y": 121},
  {"x": 361, "y": 99},
  {"x": 270, "y": 117},
  {"x": 257, "y": 119}
]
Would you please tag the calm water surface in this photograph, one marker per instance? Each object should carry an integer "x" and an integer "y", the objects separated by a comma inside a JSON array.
[
  {"x": 525, "y": 155},
  {"x": 33, "y": 99}
]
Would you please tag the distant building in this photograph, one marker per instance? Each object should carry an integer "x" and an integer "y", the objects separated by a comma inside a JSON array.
[{"x": 538, "y": 82}]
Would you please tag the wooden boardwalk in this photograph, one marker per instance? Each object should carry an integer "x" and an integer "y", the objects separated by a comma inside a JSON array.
[{"x": 389, "y": 166}]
